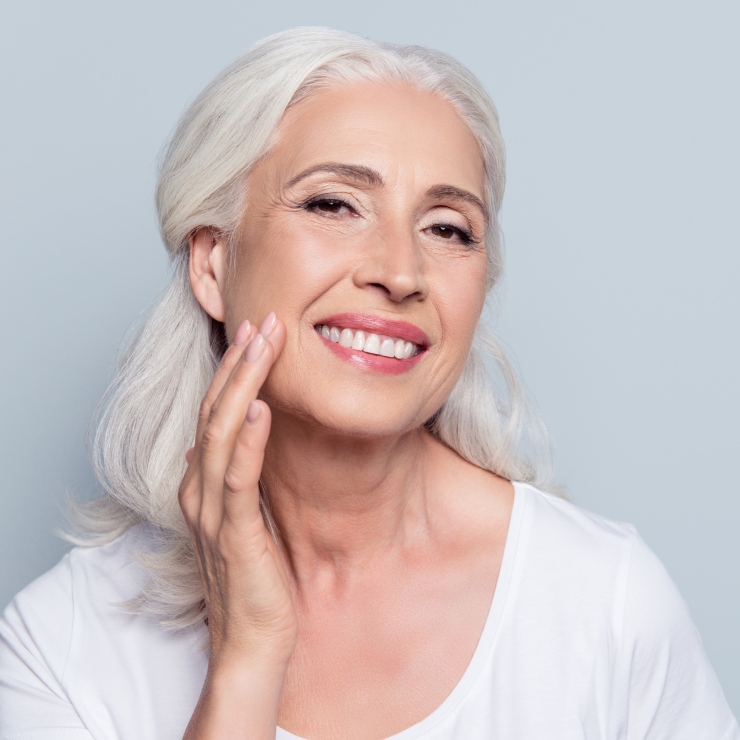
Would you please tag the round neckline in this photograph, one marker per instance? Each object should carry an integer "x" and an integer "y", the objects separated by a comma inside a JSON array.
[{"x": 487, "y": 637}]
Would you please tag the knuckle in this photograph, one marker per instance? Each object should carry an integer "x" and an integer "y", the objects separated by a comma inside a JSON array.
[
  {"x": 185, "y": 499},
  {"x": 212, "y": 437},
  {"x": 233, "y": 481},
  {"x": 248, "y": 444},
  {"x": 204, "y": 413}
]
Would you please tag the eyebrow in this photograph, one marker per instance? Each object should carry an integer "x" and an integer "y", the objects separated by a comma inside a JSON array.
[
  {"x": 355, "y": 172},
  {"x": 373, "y": 178},
  {"x": 450, "y": 191}
]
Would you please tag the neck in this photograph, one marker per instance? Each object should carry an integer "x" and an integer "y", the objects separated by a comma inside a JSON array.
[{"x": 339, "y": 501}]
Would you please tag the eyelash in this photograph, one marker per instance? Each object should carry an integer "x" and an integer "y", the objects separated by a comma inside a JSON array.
[
  {"x": 465, "y": 236},
  {"x": 311, "y": 202}
]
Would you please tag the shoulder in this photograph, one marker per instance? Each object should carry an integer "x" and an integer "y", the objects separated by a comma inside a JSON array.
[
  {"x": 76, "y": 651},
  {"x": 110, "y": 570},
  {"x": 87, "y": 582},
  {"x": 563, "y": 534},
  {"x": 585, "y": 569},
  {"x": 577, "y": 549},
  {"x": 610, "y": 599}
]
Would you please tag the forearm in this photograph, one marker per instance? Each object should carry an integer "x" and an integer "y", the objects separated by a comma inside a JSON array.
[{"x": 239, "y": 704}]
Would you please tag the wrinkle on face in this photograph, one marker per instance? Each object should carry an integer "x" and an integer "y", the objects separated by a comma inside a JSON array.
[{"x": 404, "y": 160}]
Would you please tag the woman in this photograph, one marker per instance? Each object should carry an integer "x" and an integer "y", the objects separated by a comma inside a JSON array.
[{"x": 343, "y": 537}]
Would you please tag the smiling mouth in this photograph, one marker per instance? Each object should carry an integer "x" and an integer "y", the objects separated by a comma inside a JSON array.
[{"x": 369, "y": 343}]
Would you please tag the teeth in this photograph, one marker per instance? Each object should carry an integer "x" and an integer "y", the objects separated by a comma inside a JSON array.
[
  {"x": 345, "y": 338},
  {"x": 371, "y": 343},
  {"x": 359, "y": 341}
]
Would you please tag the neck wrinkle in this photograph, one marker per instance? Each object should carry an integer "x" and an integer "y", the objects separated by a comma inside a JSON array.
[{"x": 339, "y": 503}]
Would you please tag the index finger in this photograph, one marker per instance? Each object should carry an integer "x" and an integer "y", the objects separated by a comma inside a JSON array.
[{"x": 233, "y": 353}]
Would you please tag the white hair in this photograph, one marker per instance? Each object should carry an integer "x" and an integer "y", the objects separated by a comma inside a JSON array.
[{"x": 147, "y": 417}]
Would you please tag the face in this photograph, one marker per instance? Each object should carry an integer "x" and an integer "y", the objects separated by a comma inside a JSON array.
[{"x": 366, "y": 218}]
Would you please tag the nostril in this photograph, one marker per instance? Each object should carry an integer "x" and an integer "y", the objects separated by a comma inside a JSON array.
[{"x": 397, "y": 294}]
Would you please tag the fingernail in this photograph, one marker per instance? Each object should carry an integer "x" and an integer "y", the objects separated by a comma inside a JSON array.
[
  {"x": 254, "y": 348},
  {"x": 253, "y": 412},
  {"x": 242, "y": 332},
  {"x": 268, "y": 324}
]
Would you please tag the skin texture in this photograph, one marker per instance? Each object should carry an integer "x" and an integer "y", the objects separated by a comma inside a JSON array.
[{"x": 366, "y": 614}]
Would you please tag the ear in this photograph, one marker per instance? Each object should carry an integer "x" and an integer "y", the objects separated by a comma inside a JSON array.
[{"x": 208, "y": 270}]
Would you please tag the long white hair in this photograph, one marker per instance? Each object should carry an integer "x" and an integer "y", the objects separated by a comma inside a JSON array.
[{"x": 146, "y": 419}]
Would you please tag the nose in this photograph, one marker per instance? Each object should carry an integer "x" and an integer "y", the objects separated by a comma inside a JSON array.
[{"x": 393, "y": 264}]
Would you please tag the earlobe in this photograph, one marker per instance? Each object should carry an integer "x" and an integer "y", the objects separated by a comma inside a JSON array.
[{"x": 207, "y": 273}]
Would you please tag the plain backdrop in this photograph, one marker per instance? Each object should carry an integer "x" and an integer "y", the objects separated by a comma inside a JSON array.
[{"x": 620, "y": 304}]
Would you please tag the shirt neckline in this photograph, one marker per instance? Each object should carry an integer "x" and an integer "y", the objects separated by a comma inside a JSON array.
[{"x": 486, "y": 640}]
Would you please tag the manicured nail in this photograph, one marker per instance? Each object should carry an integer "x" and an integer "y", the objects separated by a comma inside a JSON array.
[
  {"x": 254, "y": 348},
  {"x": 268, "y": 324},
  {"x": 253, "y": 412},
  {"x": 242, "y": 332}
]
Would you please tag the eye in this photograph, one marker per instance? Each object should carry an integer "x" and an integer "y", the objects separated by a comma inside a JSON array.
[
  {"x": 450, "y": 232},
  {"x": 332, "y": 206}
]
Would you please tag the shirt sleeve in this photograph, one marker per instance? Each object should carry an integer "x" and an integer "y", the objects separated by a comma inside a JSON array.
[
  {"x": 33, "y": 703},
  {"x": 673, "y": 690}
]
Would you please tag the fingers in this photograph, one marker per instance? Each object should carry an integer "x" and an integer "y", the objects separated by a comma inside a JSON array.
[
  {"x": 191, "y": 491},
  {"x": 243, "y": 336},
  {"x": 271, "y": 332},
  {"x": 241, "y": 492},
  {"x": 242, "y": 386},
  {"x": 189, "y": 498},
  {"x": 228, "y": 414}
]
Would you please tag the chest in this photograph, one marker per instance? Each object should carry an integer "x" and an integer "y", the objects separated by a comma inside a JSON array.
[{"x": 375, "y": 665}]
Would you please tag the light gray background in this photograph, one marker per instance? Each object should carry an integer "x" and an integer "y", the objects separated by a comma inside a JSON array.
[{"x": 620, "y": 303}]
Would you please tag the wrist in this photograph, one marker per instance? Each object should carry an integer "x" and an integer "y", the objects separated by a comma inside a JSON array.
[
  {"x": 256, "y": 677},
  {"x": 238, "y": 700}
]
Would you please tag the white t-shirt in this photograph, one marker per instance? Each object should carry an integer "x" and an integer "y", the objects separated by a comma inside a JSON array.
[{"x": 587, "y": 637}]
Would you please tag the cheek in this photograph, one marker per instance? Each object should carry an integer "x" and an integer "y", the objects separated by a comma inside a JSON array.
[
  {"x": 461, "y": 294},
  {"x": 284, "y": 270}
]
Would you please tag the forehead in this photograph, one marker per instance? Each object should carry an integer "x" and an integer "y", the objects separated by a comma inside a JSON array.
[{"x": 394, "y": 128}]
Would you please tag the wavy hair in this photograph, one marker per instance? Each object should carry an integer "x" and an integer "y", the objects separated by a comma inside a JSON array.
[{"x": 146, "y": 420}]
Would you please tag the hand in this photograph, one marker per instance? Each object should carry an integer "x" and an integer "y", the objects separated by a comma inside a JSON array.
[{"x": 251, "y": 618}]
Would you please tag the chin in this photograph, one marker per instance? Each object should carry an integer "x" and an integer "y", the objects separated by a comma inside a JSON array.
[
  {"x": 349, "y": 414},
  {"x": 374, "y": 424}
]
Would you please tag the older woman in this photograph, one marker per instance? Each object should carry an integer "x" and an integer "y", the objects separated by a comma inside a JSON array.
[{"x": 357, "y": 549}]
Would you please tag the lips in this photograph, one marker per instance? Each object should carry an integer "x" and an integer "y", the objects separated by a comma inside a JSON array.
[
  {"x": 372, "y": 342},
  {"x": 371, "y": 324}
]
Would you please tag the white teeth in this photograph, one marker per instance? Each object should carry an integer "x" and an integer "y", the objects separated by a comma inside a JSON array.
[
  {"x": 359, "y": 341},
  {"x": 372, "y": 345}
]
